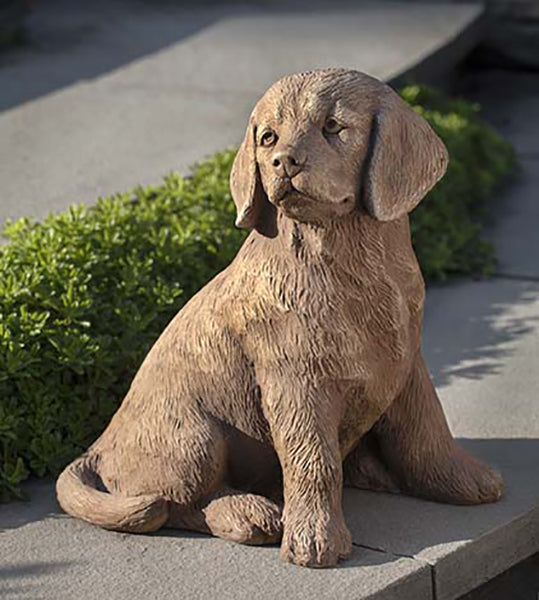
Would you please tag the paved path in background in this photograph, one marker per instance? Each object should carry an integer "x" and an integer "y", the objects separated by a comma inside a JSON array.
[
  {"x": 481, "y": 340},
  {"x": 115, "y": 93},
  {"x": 511, "y": 103}
]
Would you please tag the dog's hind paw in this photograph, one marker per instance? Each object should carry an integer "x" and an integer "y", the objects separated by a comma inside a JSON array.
[
  {"x": 459, "y": 478},
  {"x": 244, "y": 518}
]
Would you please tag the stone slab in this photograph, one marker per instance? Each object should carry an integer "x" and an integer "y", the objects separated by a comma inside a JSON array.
[
  {"x": 519, "y": 583},
  {"x": 481, "y": 341},
  {"x": 251, "y": 50},
  {"x": 108, "y": 95},
  {"x": 516, "y": 234},
  {"x": 48, "y": 556},
  {"x": 91, "y": 141}
]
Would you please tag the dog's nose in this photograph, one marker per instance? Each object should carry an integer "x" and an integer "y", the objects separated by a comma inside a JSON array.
[{"x": 287, "y": 163}]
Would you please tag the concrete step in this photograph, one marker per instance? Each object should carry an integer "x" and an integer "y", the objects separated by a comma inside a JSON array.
[
  {"x": 481, "y": 341},
  {"x": 45, "y": 555},
  {"x": 108, "y": 95}
]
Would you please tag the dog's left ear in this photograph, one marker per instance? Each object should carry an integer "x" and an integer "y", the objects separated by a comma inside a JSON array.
[
  {"x": 254, "y": 210},
  {"x": 405, "y": 160}
]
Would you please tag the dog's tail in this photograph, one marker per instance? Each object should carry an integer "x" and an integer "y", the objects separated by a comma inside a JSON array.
[{"x": 77, "y": 494}]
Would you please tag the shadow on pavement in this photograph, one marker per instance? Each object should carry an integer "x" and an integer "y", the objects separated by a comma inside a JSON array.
[
  {"x": 39, "y": 503},
  {"x": 67, "y": 41},
  {"x": 9, "y": 588},
  {"x": 471, "y": 328}
]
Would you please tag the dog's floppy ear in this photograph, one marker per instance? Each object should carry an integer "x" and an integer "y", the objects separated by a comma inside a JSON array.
[
  {"x": 254, "y": 209},
  {"x": 405, "y": 159}
]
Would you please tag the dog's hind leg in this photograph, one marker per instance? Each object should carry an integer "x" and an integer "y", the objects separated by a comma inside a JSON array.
[
  {"x": 181, "y": 460},
  {"x": 417, "y": 446},
  {"x": 363, "y": 468},
  {"x": 232, "y": 515}
]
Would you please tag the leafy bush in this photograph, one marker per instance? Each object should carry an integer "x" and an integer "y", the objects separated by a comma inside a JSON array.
[
  {"x": 446, "y": 226},
  {"x": 84, "y": 294}
]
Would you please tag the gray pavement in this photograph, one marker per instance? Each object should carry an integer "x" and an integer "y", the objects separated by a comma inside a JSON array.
[
  {"x": 481, "y": 340},
  {"x": 57, "y": 558},
  {"x": 511, "y": 104},
  {"x": 110, "y": 94}
]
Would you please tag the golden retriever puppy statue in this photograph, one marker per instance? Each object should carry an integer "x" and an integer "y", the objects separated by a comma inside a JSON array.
[{"x": 297, "y": 369}]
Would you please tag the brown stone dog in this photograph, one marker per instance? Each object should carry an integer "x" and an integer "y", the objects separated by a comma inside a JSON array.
[{"x": 303, "y": 354}]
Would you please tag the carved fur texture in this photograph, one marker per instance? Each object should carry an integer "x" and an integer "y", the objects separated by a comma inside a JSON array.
[{"x": 298, "y": 368}]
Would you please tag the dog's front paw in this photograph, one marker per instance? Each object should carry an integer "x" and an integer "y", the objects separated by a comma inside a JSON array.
[{"x": 316, "y": 542}]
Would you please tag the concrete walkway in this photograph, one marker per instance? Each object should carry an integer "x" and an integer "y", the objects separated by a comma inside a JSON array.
[
  {"x": 108, "y": 94},
  {"x": 481, "y": 341}
]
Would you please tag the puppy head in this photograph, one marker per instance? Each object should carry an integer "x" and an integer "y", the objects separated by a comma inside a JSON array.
[{"x": 322, "y": 144}]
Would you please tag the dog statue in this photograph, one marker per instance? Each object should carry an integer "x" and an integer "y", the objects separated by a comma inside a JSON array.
[{"x": 297, "y": 369}]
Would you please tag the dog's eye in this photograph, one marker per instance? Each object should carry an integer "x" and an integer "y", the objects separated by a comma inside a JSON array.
[
  {"x": 268, "y": 138},
  {"x": 332, "y": 126}
]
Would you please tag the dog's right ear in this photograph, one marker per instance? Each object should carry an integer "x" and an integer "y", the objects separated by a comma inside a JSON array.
[{"x": 254, "y": 210}]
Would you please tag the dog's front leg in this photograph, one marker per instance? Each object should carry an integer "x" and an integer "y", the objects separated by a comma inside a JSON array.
[{"x": 304, "y": 421}]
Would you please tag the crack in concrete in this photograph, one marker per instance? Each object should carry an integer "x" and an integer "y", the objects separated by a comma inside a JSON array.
[
  {"x": 392, "y": 553},
  {"x": 425, "y": 563},
  {"x": 434, "y": 586}
]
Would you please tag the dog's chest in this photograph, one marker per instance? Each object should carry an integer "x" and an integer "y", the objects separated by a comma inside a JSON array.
[{"x": 338, "y": 324}]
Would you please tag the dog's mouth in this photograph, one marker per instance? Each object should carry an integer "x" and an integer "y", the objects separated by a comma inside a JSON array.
[
  {"x": 293, "y": 197},
  {"x": 288, "y": 195},
  {"x": 284, "y": 189},
  {"x": 300, "y": 205}
]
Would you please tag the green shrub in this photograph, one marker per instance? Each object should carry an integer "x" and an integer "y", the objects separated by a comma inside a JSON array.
[
  {"x": 446, "y": 226},
  {"x": 85, "y": 293}
]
